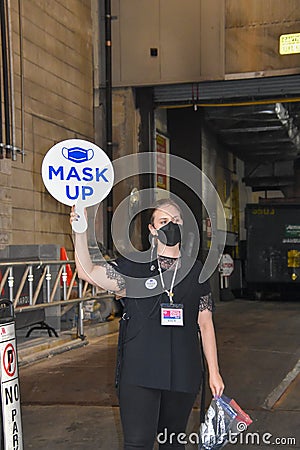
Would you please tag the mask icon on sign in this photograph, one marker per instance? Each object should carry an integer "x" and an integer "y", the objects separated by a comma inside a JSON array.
[{"x": 78, "y": 154}]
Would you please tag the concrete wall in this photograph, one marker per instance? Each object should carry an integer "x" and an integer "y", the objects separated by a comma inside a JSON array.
[
  {"x": 253, "y": 28},
  {"x": 167, "y": 41},
  {"x": 57, "y": 69},
  {"x": 126, "y": 126},
  {"x": 175, "y": 41},
  {"x": 222, "y": 169},
  {"x": 219, "y": 166}
]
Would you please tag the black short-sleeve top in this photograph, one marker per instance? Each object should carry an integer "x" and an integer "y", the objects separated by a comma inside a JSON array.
[{"x": 155, "y": 355}]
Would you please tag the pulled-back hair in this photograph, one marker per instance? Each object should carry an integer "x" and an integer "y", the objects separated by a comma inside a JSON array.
[{"x": 163, "y": 202}]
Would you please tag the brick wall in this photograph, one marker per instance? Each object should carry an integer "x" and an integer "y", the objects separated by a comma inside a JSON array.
[
  {"x": 5, "y": 203},
  {"x": 58, "y": 104}
]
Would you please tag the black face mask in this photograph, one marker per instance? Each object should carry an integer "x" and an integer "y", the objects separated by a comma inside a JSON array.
[{"x": 170, "y": 234}]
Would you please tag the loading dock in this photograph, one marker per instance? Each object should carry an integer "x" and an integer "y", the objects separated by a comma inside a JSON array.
[{"x": 245, "y": 135}]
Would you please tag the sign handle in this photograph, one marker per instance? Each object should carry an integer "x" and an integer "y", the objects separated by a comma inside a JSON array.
[
  {"x": 80, "y": 225},
  {"x": 9, "y": 308}
]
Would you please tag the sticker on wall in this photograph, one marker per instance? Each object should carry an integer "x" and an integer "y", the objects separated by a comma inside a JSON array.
[{"x": 77, "y": 172}]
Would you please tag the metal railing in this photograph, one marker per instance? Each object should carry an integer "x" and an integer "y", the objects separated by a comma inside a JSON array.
[{"x": 52, "y": 286}]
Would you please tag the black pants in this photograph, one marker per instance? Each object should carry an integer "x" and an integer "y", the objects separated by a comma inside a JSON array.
[{"x": 147, "y": 413}]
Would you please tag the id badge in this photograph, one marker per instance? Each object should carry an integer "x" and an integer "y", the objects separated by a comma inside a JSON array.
[{"x": 171, "y": 314}]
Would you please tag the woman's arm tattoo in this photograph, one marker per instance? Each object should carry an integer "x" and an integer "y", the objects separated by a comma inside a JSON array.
[{"x": 112, "y": 274}]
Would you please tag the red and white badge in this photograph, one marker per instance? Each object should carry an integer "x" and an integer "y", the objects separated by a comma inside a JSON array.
[{"x": 171, "y": 314}]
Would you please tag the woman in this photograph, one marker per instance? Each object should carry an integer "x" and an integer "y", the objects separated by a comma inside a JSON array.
[{"x": 159, "y": 365}]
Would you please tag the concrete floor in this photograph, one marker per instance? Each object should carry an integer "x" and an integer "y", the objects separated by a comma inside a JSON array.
[{"x": 69, "y": 402}]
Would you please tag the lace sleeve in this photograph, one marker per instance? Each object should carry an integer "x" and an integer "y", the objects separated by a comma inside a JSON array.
[{"x": 206, "y": 302}]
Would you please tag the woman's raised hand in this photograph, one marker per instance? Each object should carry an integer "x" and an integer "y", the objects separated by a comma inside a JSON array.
[{"x": 74, "y": 216}]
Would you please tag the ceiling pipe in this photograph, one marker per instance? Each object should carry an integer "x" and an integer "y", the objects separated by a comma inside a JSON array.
[
  {"x": 229, "y": 104},
  {"x": 108, "y": 85},
  {"x": 1, "y": 123},
  {"x": 22, "y": 99},
  {"x": 5, "y": 79},
  {"x": 11, "y": 84}
]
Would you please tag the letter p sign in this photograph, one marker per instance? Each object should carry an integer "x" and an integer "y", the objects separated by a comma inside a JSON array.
[{"x": 9, "y": 360}]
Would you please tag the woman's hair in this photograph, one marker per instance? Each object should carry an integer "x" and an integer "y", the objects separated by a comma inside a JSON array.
[{"x": 163, "y": 202}]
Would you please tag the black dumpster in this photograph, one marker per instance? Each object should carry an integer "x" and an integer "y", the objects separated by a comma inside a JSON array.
[{"x": 273, "y": 247}]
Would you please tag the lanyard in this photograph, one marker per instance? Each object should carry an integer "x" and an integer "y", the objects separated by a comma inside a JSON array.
[{"x": 170, "y": 292}]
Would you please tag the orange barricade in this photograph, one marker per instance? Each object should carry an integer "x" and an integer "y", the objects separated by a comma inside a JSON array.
[{"x": 64, "y": 257}]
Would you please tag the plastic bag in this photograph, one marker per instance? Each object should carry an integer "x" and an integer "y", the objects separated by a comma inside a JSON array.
[
  {"x": 224, "y": 416},
  {"x": 242, "y": 419}
]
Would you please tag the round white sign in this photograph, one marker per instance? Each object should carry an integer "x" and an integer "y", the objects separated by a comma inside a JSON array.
[
  {"x": 77, "y": 172},
  {"x": 226, "y": 265},
  {"x": 151, "y": 283}
]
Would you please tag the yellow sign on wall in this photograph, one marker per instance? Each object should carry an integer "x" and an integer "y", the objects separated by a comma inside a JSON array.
[{"x": 289, "y": 44}]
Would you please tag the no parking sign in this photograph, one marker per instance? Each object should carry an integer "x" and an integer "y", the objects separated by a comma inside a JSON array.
[
  {"x": 77, "y": 172},
  {"x": 10, "y": 389}
]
